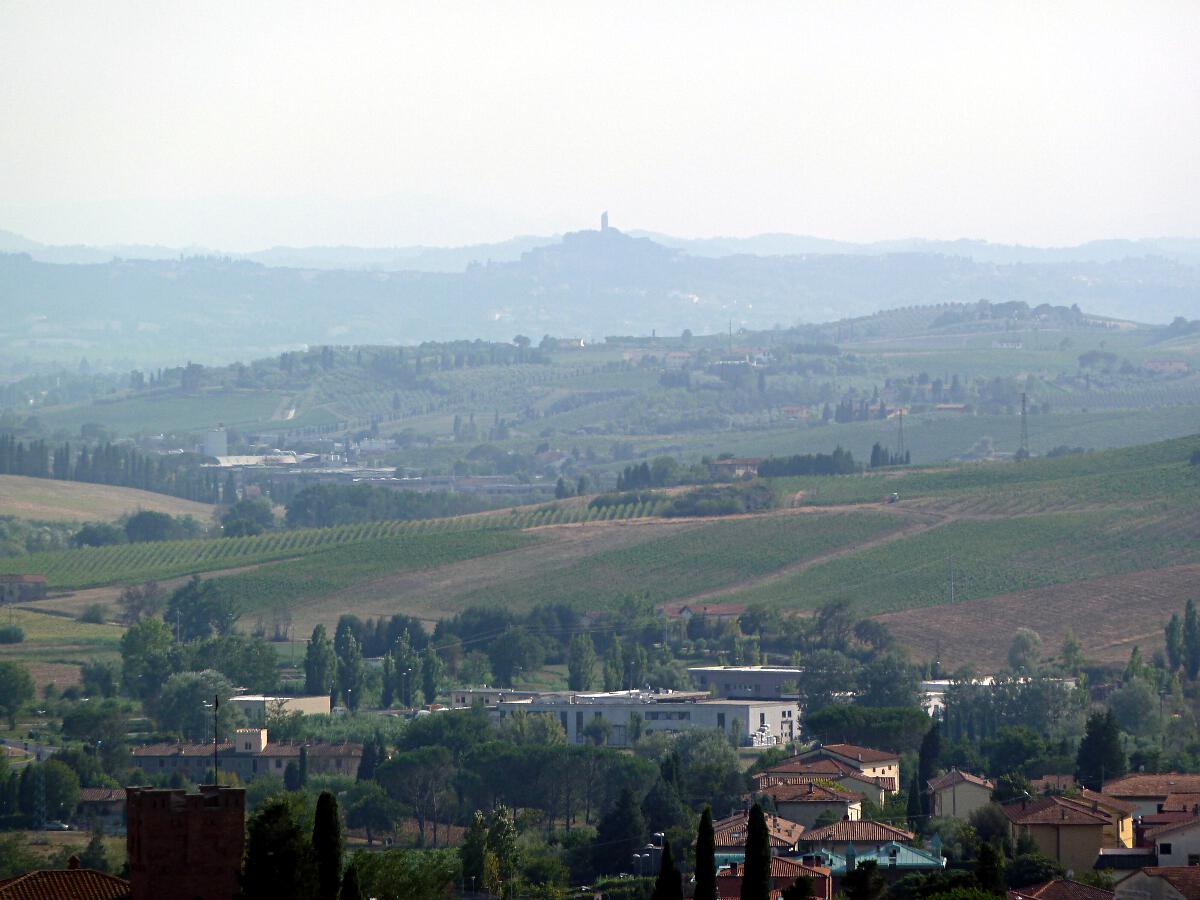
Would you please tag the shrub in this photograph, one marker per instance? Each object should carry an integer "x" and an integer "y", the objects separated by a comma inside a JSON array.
[
  {"x": 11, "y": 634},
  {"x": 94, "y": 614}
]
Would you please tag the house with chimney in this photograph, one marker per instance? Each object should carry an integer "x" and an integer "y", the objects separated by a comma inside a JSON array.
[
  {"x": 863, "y": 836},
  {"x": 865, "y": 760},
  {"x": 729, "y": 835},
  {"x": 807, "y": 802}
]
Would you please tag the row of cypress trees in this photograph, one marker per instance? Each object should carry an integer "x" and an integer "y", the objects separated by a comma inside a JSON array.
[{"x": 756, "y": 870}]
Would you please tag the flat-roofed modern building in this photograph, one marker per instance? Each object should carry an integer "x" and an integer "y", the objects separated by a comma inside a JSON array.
[
  {"x": 764, "y": 723},
  {"x": 748, "y": 682}
]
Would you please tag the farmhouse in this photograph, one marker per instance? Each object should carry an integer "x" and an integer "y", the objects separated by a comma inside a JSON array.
[{"x": 248, "y": 756}]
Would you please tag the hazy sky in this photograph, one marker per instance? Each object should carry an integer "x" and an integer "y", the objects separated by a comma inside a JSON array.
[{"x": 242, "y": 125}]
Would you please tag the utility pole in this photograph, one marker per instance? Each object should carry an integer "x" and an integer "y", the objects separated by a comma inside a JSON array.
[
  {"x": 216, "y": 756},
  {"x": 902, "y": 434}
]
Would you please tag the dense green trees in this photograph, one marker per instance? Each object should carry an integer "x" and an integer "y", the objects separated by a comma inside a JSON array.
[
  {"x": 16, "y": 689},
  {"x": 320, "y": 664},
  {"x": 279, "y": 858},
  {"x": 581, "y": 663}
]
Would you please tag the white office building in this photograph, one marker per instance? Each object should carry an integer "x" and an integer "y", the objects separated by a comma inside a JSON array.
[{"x": 764, "y": 723}]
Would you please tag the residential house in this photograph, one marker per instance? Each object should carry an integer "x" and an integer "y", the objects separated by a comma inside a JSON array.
[
  {"x": 1062, "y": 830},
  {"x": 874, "y": 789},
  {"x": 863, "y": 835},
  {"x": 101, "y": 806},
  {"x": 808, "y": 802},
  {"x": 958, "y": 794},
  {"x": 1060, "y": 889},
  {"x": 737, "y": 468},
  {"x": 730, "y": 835},
  {"x": 784, "y": 873},
  {"x": 72, "y": 883},
  {"x": 1177, "y": 844},
  {"x": 1161, "y": 883},
  {"x": 1149, "y": 792},
  {"x": 249, "y": 755},
  {"x": 870, "y": 762},
  {"x": 1118, "y": 813}
]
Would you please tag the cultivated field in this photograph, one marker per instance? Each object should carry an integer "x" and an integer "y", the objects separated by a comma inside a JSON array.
[{"x": 47, "y": 500}]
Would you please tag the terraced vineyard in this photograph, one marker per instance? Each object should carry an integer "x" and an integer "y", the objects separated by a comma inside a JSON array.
[{"x": 132, "y": 563}]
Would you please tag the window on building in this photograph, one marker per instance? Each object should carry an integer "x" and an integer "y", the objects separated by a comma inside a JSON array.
[
  {"x": 762, "y": 718},
  {"x": 1164, "y": 849},
  {"x": 1194, "y": 859},
  {"x": 279, "y": 763},
  {"x": 721, "y": 721}
]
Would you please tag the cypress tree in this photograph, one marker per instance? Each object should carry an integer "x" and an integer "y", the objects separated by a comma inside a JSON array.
[
  {"x": 756, "y": 872},
  {"x": 927, "y": 761},
  {"x": 1100, "y": 754},
  {"x": 1174, "y": 634},
  {"x": 706, "y": 861},
  {"x": 327, "y": 847},
  {"x": 303, "y": 766},
  {"x": 914, "y": 802},
  {"x": 668, "y": 885},
  {"x": 366, "y": 768}
]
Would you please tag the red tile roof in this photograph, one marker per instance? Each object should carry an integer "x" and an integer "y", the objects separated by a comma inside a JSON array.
[
  {"x": 101, "y": 795},
  {"x": 1061, "y": 889},
  {"x": 857, "y": 754},
  {"x": 954, "y": 776},
  {"x": 1181, "y": 802},
  {"x": 781, "y": 867},
  {"x": 1105, "y": 800},
  {"x": 1185, "y": 879},
  {"x": 825, "y": 766},
  {"x": 862, "y": 831},
  {"x": 810, "y": 792},
  {"x": 731, "y": 831},
  {"x": 1050, "y": 811},
  {"x": 1150, "y": 785},
  {"x": 64, "y": 884}
]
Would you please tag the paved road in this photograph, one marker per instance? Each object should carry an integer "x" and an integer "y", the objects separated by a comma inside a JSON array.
[{"x": 39, "y": 751}]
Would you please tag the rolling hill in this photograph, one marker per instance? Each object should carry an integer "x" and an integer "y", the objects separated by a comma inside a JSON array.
[
  {"x": 47, "y": 500},
  {"x": 1103, "y": 543}
]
